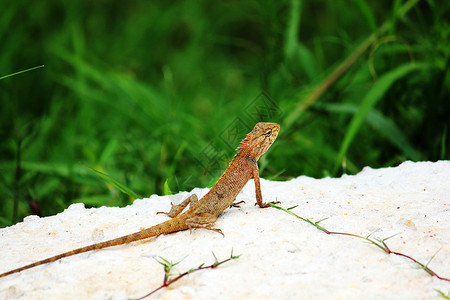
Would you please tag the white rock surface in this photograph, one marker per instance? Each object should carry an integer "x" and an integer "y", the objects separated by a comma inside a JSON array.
[{"x": 282, "y": 257}]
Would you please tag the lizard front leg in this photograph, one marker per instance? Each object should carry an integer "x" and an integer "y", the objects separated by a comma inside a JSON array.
[
  {"x": 259, "y": 200},
  {"x": 176, "y": 209}
]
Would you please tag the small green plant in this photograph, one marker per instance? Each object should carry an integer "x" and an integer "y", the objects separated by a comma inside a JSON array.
[
  {"x": 380, "y": 243},
  {"x": 168, "y": 265}
]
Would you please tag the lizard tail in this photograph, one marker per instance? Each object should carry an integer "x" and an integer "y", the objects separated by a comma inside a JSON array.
[{"x": 163, "y": 228}]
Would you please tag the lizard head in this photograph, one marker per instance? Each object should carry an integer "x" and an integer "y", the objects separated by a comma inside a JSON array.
[{"x": 259, "y": 140}]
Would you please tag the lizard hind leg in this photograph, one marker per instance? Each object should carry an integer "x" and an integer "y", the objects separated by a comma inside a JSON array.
[
  {"x": 205, "y": 221},
  {"x": 176, "y": 209}
]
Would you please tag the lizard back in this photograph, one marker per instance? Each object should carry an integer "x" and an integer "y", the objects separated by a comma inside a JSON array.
[{"x": 243, "y": 167}]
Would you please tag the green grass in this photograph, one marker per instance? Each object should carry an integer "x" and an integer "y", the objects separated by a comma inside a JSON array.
[{"x": 156, "y": 96}]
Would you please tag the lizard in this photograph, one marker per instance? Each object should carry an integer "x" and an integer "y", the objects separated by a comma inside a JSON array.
[{"x": 202, "y": 213}]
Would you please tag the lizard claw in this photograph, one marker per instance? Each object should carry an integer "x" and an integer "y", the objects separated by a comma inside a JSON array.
[{"x": 218, "y": 231}]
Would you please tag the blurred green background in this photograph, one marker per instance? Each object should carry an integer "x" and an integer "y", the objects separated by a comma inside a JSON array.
[{"x": 157, "y": 94}]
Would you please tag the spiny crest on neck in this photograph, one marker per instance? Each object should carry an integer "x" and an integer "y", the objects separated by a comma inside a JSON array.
[{"x": 259, "y": 140}]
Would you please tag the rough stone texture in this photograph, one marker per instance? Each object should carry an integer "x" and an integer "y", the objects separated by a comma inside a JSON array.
[{"x": 281, "y": 256}]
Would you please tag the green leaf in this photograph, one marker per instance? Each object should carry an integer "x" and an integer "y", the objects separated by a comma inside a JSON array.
[
  {"x": 95, "y": 201},
  {"x": 292, "y": 29},
  {"x": 375, "y": 94},
  {"x": 115, "y": 183},
  {"x": 296, "y": 54},
  {"x": 442, "y": 294},
  {"x": 380, "y": 123},
  {"x": 367, "y": 13},
  {"x": 390, "y": 130},
  {"x": 166, "y": 189}
]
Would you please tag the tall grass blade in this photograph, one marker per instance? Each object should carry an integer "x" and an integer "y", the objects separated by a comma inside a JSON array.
[
  {"x": 381, "y": 124},
  {"x": 376, "y": 93},
  {"x": 115, "y": 183},
  {"x": 367, "y": 13},
  {"x": 390, "y": 130},
  {"x": 292, "y": 29},
  {"x": 310, "y": 99},
  {"x": 20, "y": 72}
]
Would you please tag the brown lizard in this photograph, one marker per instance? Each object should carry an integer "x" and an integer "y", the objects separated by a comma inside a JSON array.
[{"x": 204, "y": 212}]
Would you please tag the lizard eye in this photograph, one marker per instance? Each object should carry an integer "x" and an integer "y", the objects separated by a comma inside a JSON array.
[{"x": 268, "y": 132}]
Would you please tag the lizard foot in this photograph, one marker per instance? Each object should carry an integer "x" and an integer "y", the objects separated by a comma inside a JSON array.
[
  {"x": 176, "y": 209},
  {"x": 237, "y": 204},
  {"x": 216, "y": 230},
  {"x": 204, "y": 221},
  {"x": 208, "y": 227},
  {"x": 264, "y": 205}
]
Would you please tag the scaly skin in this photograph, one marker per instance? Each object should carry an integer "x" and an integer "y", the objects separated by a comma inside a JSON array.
[{"x": 202, "y": 213}]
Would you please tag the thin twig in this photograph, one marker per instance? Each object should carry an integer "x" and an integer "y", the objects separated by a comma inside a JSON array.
[
  {"x": 169, "y": 265},
  {"x": 379, "y": 243}
]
